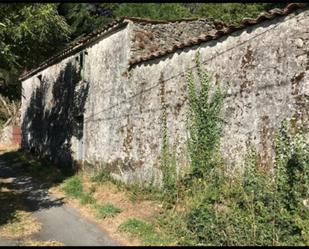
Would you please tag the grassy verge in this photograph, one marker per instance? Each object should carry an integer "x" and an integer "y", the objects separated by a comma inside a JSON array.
[
  {"x": 21, "y": 224},
  {"x": 15, "y": 221},
  {"x": 73, "y": 187},
  {"x": 134, "y": 191},
  {"x": 145, "y": 231},
  {"x": 106, "y": 210}
]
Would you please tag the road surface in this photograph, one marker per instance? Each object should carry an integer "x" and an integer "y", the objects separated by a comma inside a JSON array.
[{"x": 59, "y": 222}]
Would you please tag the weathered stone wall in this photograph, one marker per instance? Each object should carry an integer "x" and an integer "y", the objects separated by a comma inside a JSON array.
[
  {"x": 48, "y": 111},
  {"x": 263, "y": 68},
  {"x": 54, "y": 101}
]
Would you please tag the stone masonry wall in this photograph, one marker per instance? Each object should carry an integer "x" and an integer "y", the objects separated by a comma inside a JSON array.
[
  {"x": 263, "y": 68},
  {"x": 54, "y": 100}
]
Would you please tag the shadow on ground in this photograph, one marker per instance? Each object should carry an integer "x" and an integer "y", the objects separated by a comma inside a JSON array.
[{"x": 24, "y": 185}]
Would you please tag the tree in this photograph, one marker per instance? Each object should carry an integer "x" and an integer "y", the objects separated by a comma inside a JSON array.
[
  {"x": 163, "y": 11},
  {"x": 230, "y": 12},
  {"x": 29, "y": 33},
  {"x": 86, "y": 17}
]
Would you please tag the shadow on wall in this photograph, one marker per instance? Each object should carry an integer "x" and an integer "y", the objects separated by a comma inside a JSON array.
[{"x": 49, "y": 127}]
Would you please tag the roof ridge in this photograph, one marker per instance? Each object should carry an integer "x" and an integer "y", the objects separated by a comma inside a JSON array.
[
  {"x": 227, "y": 29},
  {"x": 153, "y": 21},
  {"x": 74, "y": 46},
  {"x": 266, "y": 15}
]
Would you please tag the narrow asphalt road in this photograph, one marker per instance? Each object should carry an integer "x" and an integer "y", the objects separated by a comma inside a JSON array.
[{"x": 59, "y": 222}]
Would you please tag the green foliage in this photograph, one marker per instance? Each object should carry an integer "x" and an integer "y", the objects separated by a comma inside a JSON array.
[
  {"x": 86, "y": 17},
  {"x": 86, "y": 198},
  {"x": 101, "y": 176},
  {"x": 227, "y": 12},
  {"x": 230, "y": 12},
  {"x": 260, "y": 209},
  {"x": 145, "y": 231},
  {"x": 106, "y": 210},
  {"x": 204, "y": 123},
  {"x": 153, "y": 10},
  {"x": 73, "y": 187},
  {"x": 168, "y": 162},
  {"x": 30, "y": 33}
]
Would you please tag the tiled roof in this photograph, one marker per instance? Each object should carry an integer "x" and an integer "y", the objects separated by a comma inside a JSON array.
[
  {"x": 221, "y": 30},
  {"x": 75, "y": 46},
  {"x": 148, "y": 38},
  {"x": 227, "y": 29}
]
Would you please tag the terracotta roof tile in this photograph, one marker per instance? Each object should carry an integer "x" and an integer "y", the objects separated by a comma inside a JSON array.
[
  {"x": 220, "y": 27},
  {"x": 226, "y": 30}
]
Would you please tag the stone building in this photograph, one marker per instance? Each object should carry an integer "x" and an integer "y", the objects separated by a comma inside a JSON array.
[{"x": 101, "y": 100}]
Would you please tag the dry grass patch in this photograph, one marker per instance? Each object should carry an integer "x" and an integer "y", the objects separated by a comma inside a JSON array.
[
  {"x": 42, "y": 243},
  {"x": 15, "y": 223},
  {"x": 107, "y": 192},
  {"x": 22, "y": 224}
]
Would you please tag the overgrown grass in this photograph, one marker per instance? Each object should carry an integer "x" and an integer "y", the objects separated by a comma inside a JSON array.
[
  {"x": 106, "y": 210},
  {"x": 258, "y": 208},
  {"x": 87, "y": 198},
  {"x": 73, "y": 187},
  {"x": 101, "y": 177},
  {"x": 145, "y": 231},
  {"x": 134, "y": 191}
]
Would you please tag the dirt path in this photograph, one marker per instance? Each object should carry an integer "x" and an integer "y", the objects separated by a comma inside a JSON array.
[{"x": 59, "y": 222}]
